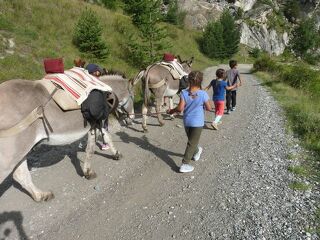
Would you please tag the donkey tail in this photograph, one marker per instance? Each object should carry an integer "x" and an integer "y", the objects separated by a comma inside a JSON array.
[
  {"x": 146, "y": 89},
  {"x": 138, "y": 77}
]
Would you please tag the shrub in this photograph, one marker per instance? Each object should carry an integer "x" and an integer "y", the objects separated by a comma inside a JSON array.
[
  {"x": 265, "y": 63},
  {"x": 255, "y": 52},
  {"x": 87, "y": 35}
]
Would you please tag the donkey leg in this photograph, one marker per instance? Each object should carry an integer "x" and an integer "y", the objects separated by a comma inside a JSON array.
[
  {"x": 86, "y": 167},
  {"x": 23, "y": 177},
  {"x": 171, "y": 107},
  {"x": 107, "y": 138},
  {"x": 144, "y": 117},
  {"x": 158, "y": 110}
]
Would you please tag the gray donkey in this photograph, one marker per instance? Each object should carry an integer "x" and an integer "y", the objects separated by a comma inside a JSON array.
[
  {"x": 159, "y": 81},
  {"x": 29, "y": 107}
]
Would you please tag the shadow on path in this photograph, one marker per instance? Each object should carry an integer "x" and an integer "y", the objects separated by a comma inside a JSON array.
[{"x": 145, "y": 144}]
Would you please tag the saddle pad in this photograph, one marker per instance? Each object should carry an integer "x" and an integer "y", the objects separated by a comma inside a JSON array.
[
  {"x": 78, "y": 83},
  {"x": 61, "y": 97},
  {"x": 173, "y": 72}
]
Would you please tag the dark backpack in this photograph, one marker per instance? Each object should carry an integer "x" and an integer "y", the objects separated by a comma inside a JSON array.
[{"x": 95, "y": 109}]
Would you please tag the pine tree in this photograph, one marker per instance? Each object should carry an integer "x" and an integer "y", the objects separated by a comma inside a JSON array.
[
  {"x": 174, "y": 15},
  {"x": 305, "y": 37},
  {"x": 212, "y": 42},
  {"x": 221, "y": 38},
  {"x": 87, "y": 35},
  {"x": 231, "y": 34},
  {"x": 292, "y": 10},
  {"x": 150, "y": 43}
]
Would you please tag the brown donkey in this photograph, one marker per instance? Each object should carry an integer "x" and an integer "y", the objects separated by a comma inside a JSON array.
[{"x": 159, "y": 81}]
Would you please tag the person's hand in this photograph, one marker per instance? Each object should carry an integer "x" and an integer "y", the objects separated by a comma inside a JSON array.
[{"x": 170, "y": 111}]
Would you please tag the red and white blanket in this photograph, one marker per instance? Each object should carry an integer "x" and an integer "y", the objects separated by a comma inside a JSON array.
[{"x": 78, "y": 83}]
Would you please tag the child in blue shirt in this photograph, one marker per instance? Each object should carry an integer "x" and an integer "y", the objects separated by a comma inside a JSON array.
[
  {"x": 219, "y": 87},
  {"x": 193, "y": 103}
]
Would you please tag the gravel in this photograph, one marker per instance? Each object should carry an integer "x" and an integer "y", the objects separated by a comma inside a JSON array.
[{"x": 238, "y": 190}]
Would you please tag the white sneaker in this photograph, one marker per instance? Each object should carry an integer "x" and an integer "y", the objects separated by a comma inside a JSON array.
[
  {"x": 214, "y": 126},
  {"x": 197, "y": 155},
  {"x": 186, "y": 168}
]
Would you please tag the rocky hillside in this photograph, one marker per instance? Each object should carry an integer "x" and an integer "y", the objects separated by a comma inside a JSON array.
[{"x": 262, "y": 22}]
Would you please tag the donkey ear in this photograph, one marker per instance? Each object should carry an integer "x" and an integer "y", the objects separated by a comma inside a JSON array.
[
  {"x": 191, "y": 60},
  {"x": 179, "y": 58}
]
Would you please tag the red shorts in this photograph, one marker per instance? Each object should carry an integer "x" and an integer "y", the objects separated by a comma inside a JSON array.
[{"x": 219, "y": 108}]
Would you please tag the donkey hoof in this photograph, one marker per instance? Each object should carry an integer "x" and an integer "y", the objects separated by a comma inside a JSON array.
[
  {"x": 48, "y": 196},
  {"x": 117, "y": 156},
  {"x": 161, "y": 124},
  {"x": 90, "y": 175},
  {"x": 43, "y": 196},
  {"x": 145, "y": 130}
]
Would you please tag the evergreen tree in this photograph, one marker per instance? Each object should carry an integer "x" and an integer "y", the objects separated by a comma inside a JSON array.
[
  {"x": 87, "y": 35},
  {"x": 221, "y": 38},
  {"x": 231, "y": 34},
  {"x": 150, "y": 43},
  {"x": 305, "y": 37},
  {"x": 212, "y": 41},
  {"x": 111, "y": 4},
  {"x": 292, "y": 10},
  {"x": 174, "y": 15}
]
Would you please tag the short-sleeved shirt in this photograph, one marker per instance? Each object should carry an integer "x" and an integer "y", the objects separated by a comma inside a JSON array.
[
  {"x": 193, "y": 114},
  {"x": 219, "y": 89},
  {"x": 232, "y": 77}
]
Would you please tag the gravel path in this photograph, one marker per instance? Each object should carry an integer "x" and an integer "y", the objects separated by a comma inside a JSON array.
[{"x": 238, "y": 190}]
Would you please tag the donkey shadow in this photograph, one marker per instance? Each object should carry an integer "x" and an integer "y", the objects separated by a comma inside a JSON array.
[
  {"x": 145, "y": 144},
  {"x": 42, "y": 156}
]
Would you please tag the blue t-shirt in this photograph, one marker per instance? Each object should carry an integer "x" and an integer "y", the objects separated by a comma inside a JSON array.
[
  {"x": 193, "y": 114},
  {"x": 219, "y": 89}
]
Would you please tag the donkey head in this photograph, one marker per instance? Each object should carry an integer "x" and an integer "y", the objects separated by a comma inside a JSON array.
[{"x": 186, "y": 64}]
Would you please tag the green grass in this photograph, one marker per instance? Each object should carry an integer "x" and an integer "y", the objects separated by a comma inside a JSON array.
[
  {"x": 295, "y": 185},
  {"x": 43, "y": 28},
  {"x": 298, "y": 170}
]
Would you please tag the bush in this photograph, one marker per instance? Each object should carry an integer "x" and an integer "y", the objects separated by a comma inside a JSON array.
[
  {"x": 87, "y": 35},
  {"x": 301, "y": 77},
  {"x": 265, "y": 63},
  {"x": 255, "y": 52}
]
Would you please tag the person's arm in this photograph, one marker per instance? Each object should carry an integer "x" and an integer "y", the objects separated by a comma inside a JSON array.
[
  {"x": 240, "y": 80},
  {"x": 178, "y": 108},
  {"x": 207, "y": 106},
  {"x": 231, "y": 87},
  {"x": 207, "y": 87}
]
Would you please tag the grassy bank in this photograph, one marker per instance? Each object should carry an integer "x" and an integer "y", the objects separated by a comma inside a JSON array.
[{"x": 43, "y": 28}]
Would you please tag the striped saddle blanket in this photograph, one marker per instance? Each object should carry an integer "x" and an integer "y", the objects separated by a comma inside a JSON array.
[{"x": 78, "y": 83}]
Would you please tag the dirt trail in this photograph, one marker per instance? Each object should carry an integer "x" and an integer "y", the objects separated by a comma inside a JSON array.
[{"x": 238, "y": 190}]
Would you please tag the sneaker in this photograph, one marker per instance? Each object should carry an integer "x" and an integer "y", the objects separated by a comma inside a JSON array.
[
  {"x": 228, "y": 112},
  {"x": 186, "y": 168},
  {"x": 233, "y": 109},
  {"x": 105, "y": 146},
  {"x": 214, "y": 126},
  {"x": 197, "y": 155}
]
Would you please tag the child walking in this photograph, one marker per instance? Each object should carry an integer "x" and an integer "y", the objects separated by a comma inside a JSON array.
[
  {"x": 219, "y": 87},
  {"x": 233, "y": 77},
  {"x": 193, "y": 103}
]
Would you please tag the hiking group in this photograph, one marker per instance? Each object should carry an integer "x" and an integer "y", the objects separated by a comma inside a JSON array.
[{"x": 194, "y": 102}]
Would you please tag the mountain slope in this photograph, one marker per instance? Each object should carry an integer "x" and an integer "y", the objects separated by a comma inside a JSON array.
[{"x": 32, "y": 30}]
